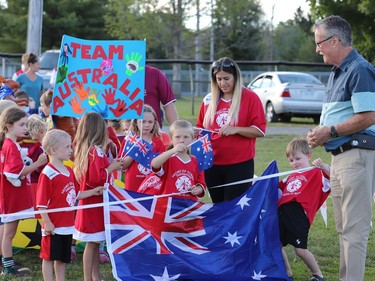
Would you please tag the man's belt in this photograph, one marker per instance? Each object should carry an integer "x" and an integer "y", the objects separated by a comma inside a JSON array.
[
  {"x": 342, "y": 148},
  {"x": 362, "y": 141}
]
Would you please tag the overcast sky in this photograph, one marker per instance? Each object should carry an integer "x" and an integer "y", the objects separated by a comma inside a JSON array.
[{"x": 283, "y": 9}]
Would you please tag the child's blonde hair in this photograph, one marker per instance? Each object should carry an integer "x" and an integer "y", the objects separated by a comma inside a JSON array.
[
  {"x": 155, "y": 130},
  {"x": 297, "y": 145},
  {"x": 35, "y": 125},
  {"x": 8, "y": 117},
  {"x": 4, "y": 104},
  {"x": 91, "y": 131},
  {"x": 181, "y": 124},
  {"x": 53, "y": 139}
]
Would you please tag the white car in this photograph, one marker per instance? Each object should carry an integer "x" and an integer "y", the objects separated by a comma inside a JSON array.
[{"x": 288, "y": 94}]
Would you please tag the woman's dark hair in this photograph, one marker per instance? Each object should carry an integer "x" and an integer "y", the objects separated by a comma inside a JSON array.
[
  {"x": 32, "y": 59},
  {"x": 224, "y": 64}
]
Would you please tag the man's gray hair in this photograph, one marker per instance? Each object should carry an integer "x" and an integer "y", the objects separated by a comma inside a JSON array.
[{"x": 335, "y": 25}]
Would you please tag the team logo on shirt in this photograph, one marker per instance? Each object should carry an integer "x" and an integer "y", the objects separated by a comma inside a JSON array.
[
  {"x": 183, "y": 184},
  {"x": 222, "y": 119},
  {"x": 294, "y": 185},
  {"x": 143, "y": 170},
  {"x": 71, "y": 197}
]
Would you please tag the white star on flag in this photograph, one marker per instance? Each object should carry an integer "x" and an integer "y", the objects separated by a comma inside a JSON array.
[
  {"x": 165, "y": 276},
  {"x": 258, "y": 276},
  {"x": 244, "y": 202},
  {"x": 261, "y": 212},
  {"x": 232, "y": 238}
]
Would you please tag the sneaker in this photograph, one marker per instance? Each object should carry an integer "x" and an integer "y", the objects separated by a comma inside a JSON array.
[
  {"x": 316, "y": 278},
  {"x": 17, "y": 264},
  {"x": 23, "y": 271},
  {"x": 73, "y": 254},
  {"x": 103, "y": 256}
]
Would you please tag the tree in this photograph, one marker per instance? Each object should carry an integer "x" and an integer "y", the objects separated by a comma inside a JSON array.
[
  {"x": 238, "y": 26},
  {"x": 361, "y": 16},
  {"x": 294, "y": 40},
  {"x": 79, "y": 18},
  {"x": 162, "y": 27},
  {"x": 13, "y": 22}
]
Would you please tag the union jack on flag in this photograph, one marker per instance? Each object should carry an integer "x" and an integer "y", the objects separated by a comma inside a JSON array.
[
  {"x": 202, "y": 150},
  {"x": 130, "y": 141},
  {"x": 167, "y": 238},
  {"x": 139, "y": 149}
]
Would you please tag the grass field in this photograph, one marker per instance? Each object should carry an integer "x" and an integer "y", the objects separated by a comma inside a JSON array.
[{"x": 323, "y": 241}]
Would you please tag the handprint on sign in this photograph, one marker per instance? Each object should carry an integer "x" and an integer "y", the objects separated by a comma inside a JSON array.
[
  {"x": 92, "y": 99},
  {"x": 132, "y": 65},
  {"x": 81, "y": 92},
  {"x": 76, "y": 105},
  {"x": 102, "y": 109},
  {"x": 109, "y": 96},
  {"x": 120, "y": 109}
]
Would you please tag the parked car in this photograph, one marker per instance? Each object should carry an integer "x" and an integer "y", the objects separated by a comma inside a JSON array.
[
  {"x": 288, "y": 94},
  {"x": 48, "y": 62}
]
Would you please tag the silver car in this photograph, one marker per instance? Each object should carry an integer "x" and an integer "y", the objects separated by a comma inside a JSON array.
[
  {"x": 288, "y": 94},
  {"x": 48, "y": 63}
]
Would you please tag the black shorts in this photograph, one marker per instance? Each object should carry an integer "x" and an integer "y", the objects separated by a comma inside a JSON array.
[
  {"x": 294, "y": 225},
  {"x": 56, "y": 247},
  {"x": 222, "y": 174}
]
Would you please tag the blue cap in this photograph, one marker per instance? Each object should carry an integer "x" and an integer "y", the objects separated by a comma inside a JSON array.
[{"x": 5, "y": 91}]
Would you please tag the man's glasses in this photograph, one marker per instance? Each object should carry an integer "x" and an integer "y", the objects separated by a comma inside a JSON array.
[
  {"x": 222, "y": 64},
  {"x": 320, "y": 42}
]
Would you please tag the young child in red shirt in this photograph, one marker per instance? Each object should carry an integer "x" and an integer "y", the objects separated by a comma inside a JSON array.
[
  {"x": 175, "y": 170},
  {"x": 15, "y": 191},
  {"x": 58, "y": 188},
  {"x": 92, "y": 168},
  {"x": 148, "y": 129},
  {"x": 303, "y": 193}
]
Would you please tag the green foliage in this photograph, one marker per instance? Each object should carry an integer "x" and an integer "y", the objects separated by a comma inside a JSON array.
[
  {"x": 361, "y": 16},
  {"x": 238, "y": 29},
  {"x": 162, "y": 27},
  {"x": 294, "y": 44},
  {"x": 82, "y": 19},
  {"x": 13, "y": 22}
]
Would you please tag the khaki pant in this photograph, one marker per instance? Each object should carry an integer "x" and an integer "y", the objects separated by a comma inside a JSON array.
[{"x": 353, "y": 186}]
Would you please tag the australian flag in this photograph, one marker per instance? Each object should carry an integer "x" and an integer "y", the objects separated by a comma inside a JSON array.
[
  {"x": 166, "y": 238},
  {"x": 202, "y": 150},
  {"x": 138, "y": 149}
]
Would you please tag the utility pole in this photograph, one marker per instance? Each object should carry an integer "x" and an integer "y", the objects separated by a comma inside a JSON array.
[
  {"x": 212, "y": 34},
  {"x": 272, "y": 35},
  {"x": 197, "y": 57},
  {"x": 34, "y": 27}
]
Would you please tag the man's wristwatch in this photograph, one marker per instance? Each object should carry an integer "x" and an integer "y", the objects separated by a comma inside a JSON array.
[{"x": 334, "y": 133}]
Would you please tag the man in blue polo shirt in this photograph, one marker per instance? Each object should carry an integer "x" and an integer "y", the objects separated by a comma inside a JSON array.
[{"x": 347, "y": 131}]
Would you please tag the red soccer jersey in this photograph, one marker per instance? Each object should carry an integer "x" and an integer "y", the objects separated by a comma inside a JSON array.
[
  {"x": 310, "y": 189},
  {"x": 34, "y": 150},
  {"x": 251, "y": 114},
  {"x": 157, "y": 90},
  {"x": 136, "y": 173},
  {"x": 57, "y": 190},
  {"x": 89, "y": 223},
  {"x": 13, "y": 199},
  {"x": 175, "y": 176}
]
